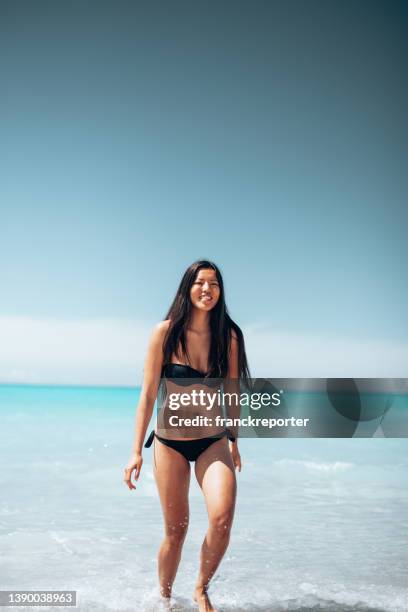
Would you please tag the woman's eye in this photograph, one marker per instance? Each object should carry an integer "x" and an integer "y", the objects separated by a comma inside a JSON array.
[{"x": 202, "y": 283}]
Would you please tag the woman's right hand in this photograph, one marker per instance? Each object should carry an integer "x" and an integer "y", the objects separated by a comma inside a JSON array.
[{"x": 134, "y": 465}]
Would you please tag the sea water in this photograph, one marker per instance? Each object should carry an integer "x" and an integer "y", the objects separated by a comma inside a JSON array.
[{"x": 320, "y": 524}]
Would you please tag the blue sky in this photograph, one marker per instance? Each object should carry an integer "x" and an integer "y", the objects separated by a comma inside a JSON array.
[{"x": 269, "y": 137}]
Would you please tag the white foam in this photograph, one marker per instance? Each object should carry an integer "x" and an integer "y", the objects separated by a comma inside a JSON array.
[{"x": 334, "y": 466}]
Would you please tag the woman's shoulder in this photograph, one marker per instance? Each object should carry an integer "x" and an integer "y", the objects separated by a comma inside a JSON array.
[
  {"x": 158, "y": 334},
  {"x": 161, "y": 328}
]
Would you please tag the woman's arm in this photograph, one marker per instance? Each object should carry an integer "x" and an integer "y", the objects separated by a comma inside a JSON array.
[
  {"x": 151, "y": 380},
  {"x": 233, "y": 373}
]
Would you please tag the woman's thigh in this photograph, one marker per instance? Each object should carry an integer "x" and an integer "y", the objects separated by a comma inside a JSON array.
[
  {"x": 172, "y": 475},
  {"x": 215, "y": 474}
]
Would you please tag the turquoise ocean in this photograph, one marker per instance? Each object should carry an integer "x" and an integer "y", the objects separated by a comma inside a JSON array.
[{"x": 320, "y": 524}]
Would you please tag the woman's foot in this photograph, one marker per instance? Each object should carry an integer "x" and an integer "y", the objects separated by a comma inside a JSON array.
[
  {"x": 165, "y": 597},
  {"x": 202, "y": 599},
  {"x": 166, "y": 604}
]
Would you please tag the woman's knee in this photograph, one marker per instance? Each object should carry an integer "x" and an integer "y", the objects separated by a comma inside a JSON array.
[
  {"x": 175, "y": 534},
  {"x": 221, "y": 521}
]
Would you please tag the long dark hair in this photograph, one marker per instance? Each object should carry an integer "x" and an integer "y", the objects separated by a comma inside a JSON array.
[{"x": 221, "y": 326}]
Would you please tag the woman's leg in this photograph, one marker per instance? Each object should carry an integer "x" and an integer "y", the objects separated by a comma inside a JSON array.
[
  {"x": 216, "y": 476},
  {"x": 172, "y": 474}
]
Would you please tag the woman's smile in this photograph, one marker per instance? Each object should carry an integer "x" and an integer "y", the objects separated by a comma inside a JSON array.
[{"x": 206, "y": 298}]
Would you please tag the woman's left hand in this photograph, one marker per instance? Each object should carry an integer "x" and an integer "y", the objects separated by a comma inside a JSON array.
[{"x": 236, "y": 457}]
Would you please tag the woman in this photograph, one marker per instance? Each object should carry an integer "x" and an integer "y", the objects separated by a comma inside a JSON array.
[{"x": 197, "y": 339}]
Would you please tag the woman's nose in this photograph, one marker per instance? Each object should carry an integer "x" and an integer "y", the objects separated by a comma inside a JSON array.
[{"x": 206, "y": 286}]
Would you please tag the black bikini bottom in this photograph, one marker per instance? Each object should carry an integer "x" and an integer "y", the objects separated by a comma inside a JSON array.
[{"x": 190, "y": 449}]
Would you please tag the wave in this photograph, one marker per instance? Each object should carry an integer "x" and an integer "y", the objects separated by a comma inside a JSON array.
[
  {"x": 307, "y": 604},
  {"x": 334, "y": 466}
]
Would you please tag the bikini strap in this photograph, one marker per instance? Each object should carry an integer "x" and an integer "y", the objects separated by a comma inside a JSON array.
[
  {"x": 149, "y": 440},
  {"x": 231, "y": 438}
]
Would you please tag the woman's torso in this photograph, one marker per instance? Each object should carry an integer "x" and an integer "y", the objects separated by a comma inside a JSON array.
[{"x": 184, "y": 374}]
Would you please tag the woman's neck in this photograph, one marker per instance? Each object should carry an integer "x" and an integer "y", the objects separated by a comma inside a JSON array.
[{"x": 199, "y": 322}]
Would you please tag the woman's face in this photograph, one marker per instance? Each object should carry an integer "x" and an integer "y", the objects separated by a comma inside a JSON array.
[{"x": 205, "y": 290}]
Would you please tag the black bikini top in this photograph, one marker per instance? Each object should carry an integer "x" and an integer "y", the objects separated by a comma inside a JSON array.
[{"x": 181, "y": 370}]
